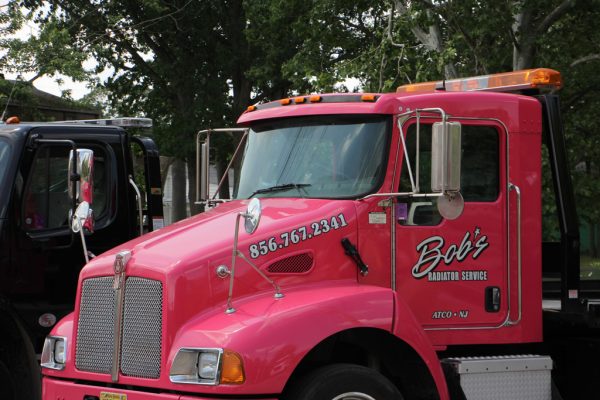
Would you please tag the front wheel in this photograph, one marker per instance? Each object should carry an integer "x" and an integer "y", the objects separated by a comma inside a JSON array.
[{"x": 344, "y": 382}]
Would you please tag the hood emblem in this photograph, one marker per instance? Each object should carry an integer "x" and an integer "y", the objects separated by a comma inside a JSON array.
[{"x": 119, "y": 266}]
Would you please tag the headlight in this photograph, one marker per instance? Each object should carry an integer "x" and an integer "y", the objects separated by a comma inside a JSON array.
[
  {"x": 207, "y": 367},
  {"x": 54, "y": 354}
]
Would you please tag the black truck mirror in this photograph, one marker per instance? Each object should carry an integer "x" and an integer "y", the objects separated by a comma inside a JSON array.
[{"x": 83, "y": 175}]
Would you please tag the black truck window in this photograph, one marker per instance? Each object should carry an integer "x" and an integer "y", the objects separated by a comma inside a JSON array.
[{"x": 46, "y": 201}]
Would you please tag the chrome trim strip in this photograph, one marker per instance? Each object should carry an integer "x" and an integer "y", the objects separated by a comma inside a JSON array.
[
  {"x": 120, "y": 266},
  {"x": 138, "y": 197},
  {"x": 118, "y": 328},
  {"x": 516, "y": 189}
]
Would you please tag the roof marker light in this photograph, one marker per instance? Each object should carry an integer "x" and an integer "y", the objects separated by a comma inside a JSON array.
[
  {"x": 251, "y": 108},
  {"x": 315, "y": 98},
  {"x": 285, "y": 102},
  {"x": 538, "y": 78},
  {"x": 367, "y": 97},
  {"x": 299, "y": 100}
]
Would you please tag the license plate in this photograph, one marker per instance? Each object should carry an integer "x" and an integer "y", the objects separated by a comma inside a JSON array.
[{"x": 112, "y": 396}]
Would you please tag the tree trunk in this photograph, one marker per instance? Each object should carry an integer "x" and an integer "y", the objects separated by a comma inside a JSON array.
[
  {"x": 179, "y": 186},
  {"x": 194, "y": 208},
  {"x": 221, "y": 170}
]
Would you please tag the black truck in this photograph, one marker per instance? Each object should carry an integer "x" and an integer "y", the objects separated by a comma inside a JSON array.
[{"x": 40, "y": 255}]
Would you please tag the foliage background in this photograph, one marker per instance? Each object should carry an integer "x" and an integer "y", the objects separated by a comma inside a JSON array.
[{"x": 191, "y": 64}]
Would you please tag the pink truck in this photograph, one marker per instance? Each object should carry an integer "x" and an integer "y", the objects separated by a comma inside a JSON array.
[{"x": 390, "y": 248}]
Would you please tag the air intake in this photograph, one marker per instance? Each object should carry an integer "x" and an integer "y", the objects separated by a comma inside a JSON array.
[{"x": 296, "y": 264}]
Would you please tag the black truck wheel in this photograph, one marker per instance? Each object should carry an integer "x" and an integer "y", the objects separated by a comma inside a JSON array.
[
  {"x": 344, "y": 382},
  {"x": 19, "y": 369},
  {"x": 7, "y": 384}
]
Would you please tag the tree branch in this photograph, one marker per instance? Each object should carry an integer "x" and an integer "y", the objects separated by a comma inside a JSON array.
[
  {"x": 551, "y": 18},
  {"x": 587, "y": 58}
]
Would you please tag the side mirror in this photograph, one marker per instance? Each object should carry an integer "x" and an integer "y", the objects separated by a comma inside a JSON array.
[
  {"x": 445, "y": 168},
  {"x": 84, "y": 186},
  {"x": 445, "y": 157}
]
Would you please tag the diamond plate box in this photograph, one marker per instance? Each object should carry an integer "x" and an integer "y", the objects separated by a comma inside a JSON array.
[{"x": 525, "y": 377}]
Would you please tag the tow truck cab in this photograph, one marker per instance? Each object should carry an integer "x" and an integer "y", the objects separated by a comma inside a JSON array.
[
  {"x": 385, "y": 237},
  {"x": 40, "y": 257}
]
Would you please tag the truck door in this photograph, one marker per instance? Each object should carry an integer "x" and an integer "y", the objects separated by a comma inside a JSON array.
[
  {"x": 453, "y": 273},
  {"x": 46, "y": 254}
]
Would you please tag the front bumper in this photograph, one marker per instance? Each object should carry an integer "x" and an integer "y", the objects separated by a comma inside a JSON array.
[{"x": 53, "y": 389}]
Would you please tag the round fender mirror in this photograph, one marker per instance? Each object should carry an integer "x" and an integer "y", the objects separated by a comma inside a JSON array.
[
  {"x": 84, "y": 218},
  {"x": 252, "y": 215},
  {"x": 451, "y": 205}
]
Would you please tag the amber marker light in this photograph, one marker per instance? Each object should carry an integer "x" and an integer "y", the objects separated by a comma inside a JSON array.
[
  {"x": 367, "y": 97},
  {"x": 315, "y": 99},
  {"x": 285, "y": 102},
  {"x": 299, "y": 100},
  {"x": 251, "y": 108},
  {"x": 232, "y": 371}
]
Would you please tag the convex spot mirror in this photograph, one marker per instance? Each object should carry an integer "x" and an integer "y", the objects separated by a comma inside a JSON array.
[
  {"x": 252, "y": 215},
  {"x": 83, "y": 218},
  {"x": 84, "y": 187}
]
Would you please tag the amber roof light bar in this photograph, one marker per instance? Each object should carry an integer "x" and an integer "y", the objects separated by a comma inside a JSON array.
[{"x": 538, "y": 78}]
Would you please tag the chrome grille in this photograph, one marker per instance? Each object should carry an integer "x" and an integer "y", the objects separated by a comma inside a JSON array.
[
  {"x": 141, "y": 333},
  {"x": 142, "y": 323},
  {"x": 95, "y": 333}
]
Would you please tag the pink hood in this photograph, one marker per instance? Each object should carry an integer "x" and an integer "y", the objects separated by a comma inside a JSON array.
[{"x": 185, "y": 255}]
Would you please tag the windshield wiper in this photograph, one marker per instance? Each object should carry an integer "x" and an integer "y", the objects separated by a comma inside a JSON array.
[{"x": 280, "y": 188}]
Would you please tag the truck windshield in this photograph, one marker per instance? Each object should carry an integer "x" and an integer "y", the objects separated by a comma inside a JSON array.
[
  {"x": 4, "y": 159},
  {"x": 317, "y": 157}
]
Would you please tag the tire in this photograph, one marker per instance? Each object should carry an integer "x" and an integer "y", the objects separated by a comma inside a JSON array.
[
  {"x": 19, "y": 370},
  {"x": 7, "y": 384},
  {"x": 344, "y": 382}
]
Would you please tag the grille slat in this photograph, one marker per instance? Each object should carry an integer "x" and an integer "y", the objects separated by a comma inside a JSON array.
[
  {"x": 142, "y": 327},
  {"x": 142, "y": 322},
  {"x": 95, "y": 333}
]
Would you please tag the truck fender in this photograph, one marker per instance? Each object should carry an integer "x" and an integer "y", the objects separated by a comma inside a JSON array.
[
  {"x": 273, "y": 335},
  {"x": 407, "y": 328}
]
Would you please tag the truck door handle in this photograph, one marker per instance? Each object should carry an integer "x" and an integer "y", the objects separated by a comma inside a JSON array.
[{"x": 351, "y": 251}]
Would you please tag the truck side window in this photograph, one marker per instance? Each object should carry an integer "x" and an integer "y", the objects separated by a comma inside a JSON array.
[
  {"x": 480, "y": 179},
  {"x": 46, "y": 201}
]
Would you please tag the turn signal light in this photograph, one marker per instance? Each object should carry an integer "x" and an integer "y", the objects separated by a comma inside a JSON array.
[{"x": 232, "y": 371}]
